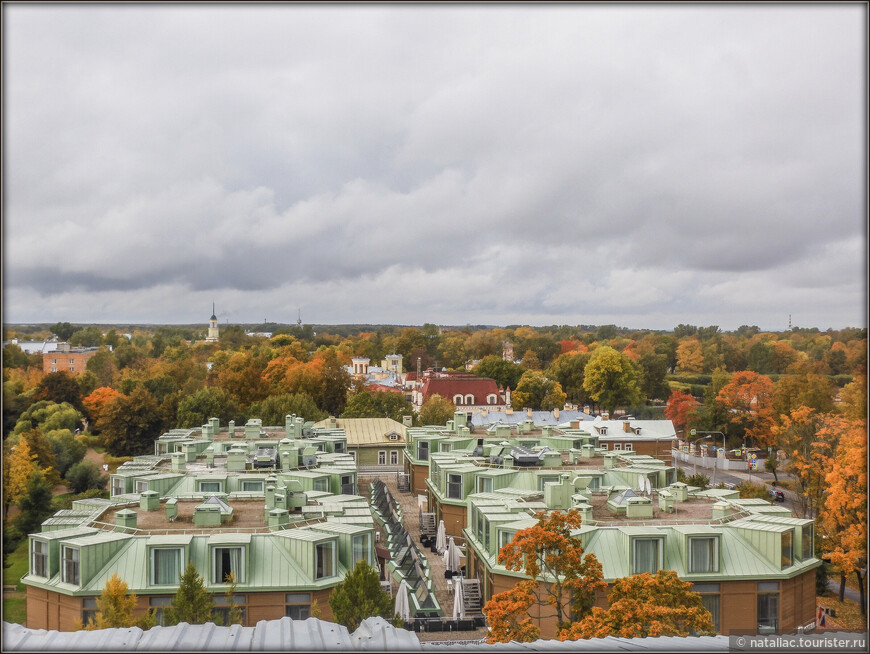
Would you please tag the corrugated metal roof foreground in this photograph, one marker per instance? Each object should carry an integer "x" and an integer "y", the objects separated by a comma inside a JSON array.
[
  {"x": 374, "y": 634},
  {"x": 609, "y": 644}
]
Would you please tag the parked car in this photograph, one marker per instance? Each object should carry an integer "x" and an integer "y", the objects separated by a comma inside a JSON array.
[{"x": 777, "y": 495}]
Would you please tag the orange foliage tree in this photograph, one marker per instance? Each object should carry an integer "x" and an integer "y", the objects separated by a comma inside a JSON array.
[
  {"x": 645, "y": 605},
  {"x": 844, "y": 518},
  {"x": 681, "y": 409},
  {"x": 748, "y": 399},
  {"x": 96, "y": 402},
  {"x": 560, "y": 576}
]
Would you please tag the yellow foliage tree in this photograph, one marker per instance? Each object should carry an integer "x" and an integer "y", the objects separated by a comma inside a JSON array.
[
  {"x": 115, "y": 608},
  {"x": 690, "y": 356},
  {"x": 18, "y": 465},
  {"x": 645, "y": 605}
]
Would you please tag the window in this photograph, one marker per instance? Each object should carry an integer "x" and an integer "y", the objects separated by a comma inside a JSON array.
[
  {"x": 70, "y": 573},
  {"x": 222, "y": 607},
  {"x": 484, "y": 484},
  {"x": 324, "y": 560},
  {"x": 118, "y": 486},
  {"x": 72, "y": 368},
  {"x": 159, "y": 605},
  {"x": 54, "y": 362},
  {"x": 768, "y": 607},
  {"x": 339, "y": 447},
  {"x": 141, "y": 486},
  {"x": 54, "y": 368},
  {"x": 457, "y": 400},
  {"x": 361, "y": 548},
  {"x": 646, "y": 555},
  {"x": 225, "y": 561},
  {"x": 321, "y": 484},
  {"x": 807, "y": 551},
  {"x": 787, "y": 548},
  {"x": 347, "y": 485},
  {"x": 209, "y": 487},
  {"x": 704, "y": 554},
  {"x": 393, "y": 436},
  {"x": 72, "y": 362},
  {"x": 445, "y": 446},
  {"x": 382, "y": 457},
  {"x": 39, "y": 558},
  {"x": 394, "y": 458},
  {"x": 603, "y": 446},
  {"x": 710, "y": 599},
  {"x": 423, "y": 450},
  {"x": 165, "y": 566},
  {"x": 491, "y": 399},
  {"x": 617, "y": 446},
  {"x": 454, "y": 486},
  {"x": 89, "y": 610},
  {"x": 252, "y": 486},
  {"x": 505, "y": 537},
  {"x": 469, "y": 399},
  {"x": 297, "y": 606}
]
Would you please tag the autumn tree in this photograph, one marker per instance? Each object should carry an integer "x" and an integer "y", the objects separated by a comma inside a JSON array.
[
  {"x": 844, "y": 518},
  {"x": 195, "y": 410},
  {"x": 436, "y": 410},
  {"x": 748, "y": 398},
  {"x": 535, "y": 391},
  {"x": 645, "y": 605},
  {"x": 690, "y": 357},
  {"x": 115, "y": 608},
  {"x": 131, "y": 424},
  {"x": 95, "y": 403},
  {"x": 681, "y": 410},
  {"x": 192, "y": 602},
  {"x": 530, "y": 361},
  {"x": 802, "y": 389},
  {"x": 560, "y": 575},
  {"x": 59, "y": 387},
  {"x": 809, "y": 448},
  {"x": 18, "y": 465},
  {"x": 508, "y": 614},
  {"x": 360, "y": 596},
  {"x": 611, "y": 379}
]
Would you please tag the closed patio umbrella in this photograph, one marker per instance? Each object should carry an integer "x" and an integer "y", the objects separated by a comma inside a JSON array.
[
  {"x": 459, "y": 600},
  {"x": 452, "y": 556},
  {"x": 403, "y": 604},
  {"x": 441, "y": 537}
]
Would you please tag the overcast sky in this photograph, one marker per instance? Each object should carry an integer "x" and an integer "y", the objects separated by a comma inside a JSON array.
[{"x": 584, "y": 164}]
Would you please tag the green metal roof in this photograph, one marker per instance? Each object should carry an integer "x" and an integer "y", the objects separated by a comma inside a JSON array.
[
  {"x": 229, "y": 539},
  {"x": 180, "y": 539},
  {"x": 61, "y": 534}
]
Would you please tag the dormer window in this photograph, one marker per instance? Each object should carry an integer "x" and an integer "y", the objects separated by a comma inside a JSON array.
[
  {"x": 647, "y": 555},
  {"x": 70, "y": 565},
  {"x": 393, "y": 436},
  {"x": 39, "y": 558},
  {"x": 324, "y": 560},
  {"x": 457, "y": 399},
  {"x": 226, "y": 561},
  {"x": 703, "y": 554}
]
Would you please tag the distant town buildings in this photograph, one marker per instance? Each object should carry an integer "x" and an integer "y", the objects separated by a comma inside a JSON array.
[
  {"x": 66, "y": 358},
  {"x": 213, "y": 329}
]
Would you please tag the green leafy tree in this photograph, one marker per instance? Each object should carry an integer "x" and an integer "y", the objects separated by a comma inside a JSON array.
[
  {"x": 192, "y": 603},
  {"x": 569, "y": 370},
  {"x": 535, "y": 391},
  {"x": 35, "y": 504},
  {"x": 63, "y": 330},
  {"x": 67, "y": 449},
  {"x": 274, "y": 408},
  {"x": 84, "y": 476},
  {"x": 360, "y": 596},
  {"x": 653, "y": 368},
  {"x": 196, "y": 409},
  {"x": 88, "y": 337},
  {"x": 48, "y": 416},
  {"x": 336, "y": 383},
  {"x": 377, "y": 404},
  {"x": 436, "y": 410},
  {"x": 506, "y": 374},
  {"x": 611, "y": 379},
  {"x": 103, "y": 365}
]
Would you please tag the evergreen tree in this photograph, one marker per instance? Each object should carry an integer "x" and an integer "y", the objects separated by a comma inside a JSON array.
[
  {"x": 35, "y": 505},
  {"x": 360, "y": 596},
  {"x": 115, "y": 608},
  {"x": 192, "y": 603}
]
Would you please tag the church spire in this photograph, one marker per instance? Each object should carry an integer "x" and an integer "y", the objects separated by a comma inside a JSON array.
[{"x": 213, "y": 316}]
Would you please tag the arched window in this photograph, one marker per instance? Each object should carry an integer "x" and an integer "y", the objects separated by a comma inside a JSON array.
[
  {"x": 457, "y": 399},
  {"x": 491, "y": 399},
  {"x": 469, "y": 399}
]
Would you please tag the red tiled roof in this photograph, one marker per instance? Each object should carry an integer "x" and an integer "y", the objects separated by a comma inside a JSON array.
[{"x": 447, "y": 388}]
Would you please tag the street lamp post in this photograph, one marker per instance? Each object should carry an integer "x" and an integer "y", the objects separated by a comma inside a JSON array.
[{"x": 709, "y": 434}]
